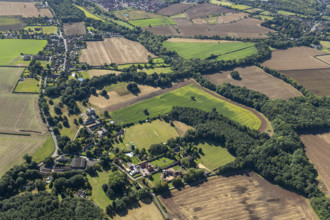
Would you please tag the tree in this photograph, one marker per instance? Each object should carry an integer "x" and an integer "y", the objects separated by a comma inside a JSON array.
[
  {"x": 27, "y": 158},
  {"x": 41, "y": 186},
  {"x": 235, "y": 75},
  {"x": 106, "y": 114},
  {"x": 49, "y": 161},
  {"x": 133, "y": 88},
  {"x": 157, "y": 149},
  {"x": 177, "y": 182}
]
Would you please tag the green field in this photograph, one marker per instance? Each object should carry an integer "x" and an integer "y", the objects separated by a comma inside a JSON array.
[
  {"x": 325, "y": 46},
  {"x": 240, "y": 7},
  {"x": 29, "y": 85},
  {"x": 144, "y": 135},
  {"x": 88, "y": 14},
  {"x": 44, "y": 29},
  {"x": 9, "y": 20},
  {"x": 98, "y": 195},
  {"x": 11, "y": 49},
  {"x": 161, "y": 162},
  {"x": 214, "y": 156},
  {"x": 182, "y": 97},
  {"x": 222, "y": 3},
  {"x": 150, "y": 71},
  {"x": 153, "y": 22},
  {"x": 132, "y": 14},
  {"x": 45, "y": 151},
  {"x": 203, "y": 50}
]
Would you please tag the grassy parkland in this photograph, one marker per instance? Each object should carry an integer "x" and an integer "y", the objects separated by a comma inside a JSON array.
[{"x": 188, "y": 96}]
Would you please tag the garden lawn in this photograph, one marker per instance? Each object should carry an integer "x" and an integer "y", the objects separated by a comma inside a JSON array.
[
  {"x": 12, "y": 48},
  {"x": 161, "y": 162},
  {"x": 183, "y": 97},
  {"x": 29, "y": 85},
  {"x": 203, "y": 50},
  {"x": 144, "y": 135},
  {"x": 98, "y": 195},
  {"x": 153, "y": 22},
  {"x": 214, "y": 156}
]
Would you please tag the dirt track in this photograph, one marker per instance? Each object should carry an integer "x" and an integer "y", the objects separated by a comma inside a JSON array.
[{"x": 118, "y": 106}]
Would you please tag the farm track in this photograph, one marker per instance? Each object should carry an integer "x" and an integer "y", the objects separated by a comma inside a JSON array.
[{"x": 122, "y": 105}]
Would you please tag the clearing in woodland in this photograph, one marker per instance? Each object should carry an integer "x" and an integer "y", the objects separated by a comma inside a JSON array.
[
  {"x": 77, "y": 28},
  {"x": 24, "y": 9},
  {"x": 114, "y": 50},
  {"x": 318, "y": 151},
  {"x": 146, "y": 134},
  {"x": 256, "y": 79},
  {"x": 245, "y": 196},
  {"x": 187, "y": 96},
  {"x": 205, "y": 49}
]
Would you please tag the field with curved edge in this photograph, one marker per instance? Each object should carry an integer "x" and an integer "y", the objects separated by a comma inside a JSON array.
[
  {"x": 203, "y": 49},
  {"x": 187, "y": 96}
]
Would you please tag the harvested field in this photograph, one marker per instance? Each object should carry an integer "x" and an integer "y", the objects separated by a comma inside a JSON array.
[
  {"x": 325, "y": 58},
  {"x": 256, "y": 79},
  {"x": 182, "y": 21},
  {"x": 297, "y": 58},
  {"x": 237, "y": 197},
  {"x": 316, "y": 81},
  {"x": 24, "y": 9},
  {"x": 206, "y": 9},
  {"x": 114, "y": 50},
  {"x": 99, "y": 72},
  {"x": 318, "y": 151},
  {"x": 199, "y": 21},
  {"x": 77, "y": 28},
  {"x": 231, "y": 17},
  {"x": 174, "y": 9},
  {"x": 13, "y": 147},
  {"x": 163, "y": 30},
  {"x": 144, "y": 211},
  {"x": 119, "y": 96}
]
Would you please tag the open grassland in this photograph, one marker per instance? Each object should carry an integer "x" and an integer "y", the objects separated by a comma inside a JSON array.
[
  {"x": 256, "y": 79},
  {"x": 316, "y": 81},
  {"x": 203, "y": 50},
  {"x": 214, "y": 156},
  {"x": 24, "y": 9},
  {"x": 114, "y": 50},
  {"x": 44, "y": 29},
  {"x": 297, "y": 58},
  {"x": 45, "y": 151},
  {"x": 222, "y": 3},
  {"x": 318, "y": 151},
  {"x": 159, "y": 70},
  {"x": 238, "y": 54},
  {"x": 144, "y": 135},
  {"x": 131, "y": 14},
  {"x": 13, "y": 147},
  {"x": 183, "y": 97},
  {"x": 99, "y": 72},
  {"x": 162, "y": 21},
  {"x": 237, "y": 197},
  {"x": 11, "y": 49},
  {"x": 145, "y": 211},
  {"x": 77, "y": 28},
  {"x": 88, "y": 14},
  {"x": 30, "y": 85},
  {"x": 175, "y": 9}
]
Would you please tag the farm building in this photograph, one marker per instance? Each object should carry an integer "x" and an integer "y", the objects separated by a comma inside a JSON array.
[{"x": 78, "y": 163}]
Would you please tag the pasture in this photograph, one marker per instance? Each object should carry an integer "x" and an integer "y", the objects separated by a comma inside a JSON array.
[
  {"x": 214, "y": 156},
  {"x": 11, "y": 22},
  {"x": 29, "y": 85},
  {"x": 183, "y": 97},
  {"x": 297, "y": 58},
  {"x": 11, "y": 49},
  {"x": 114, "y": 50},
  {"x": 204, "y": 49},
  {"x": 316, "y": 81},
  {"x": 146, "y": 134},
  {"x": 77, "y": 28},
  {"x": 13, "y": 147},
  {"x": 162, "y": 21},
  {"x": 318, "y": 151},
  {"x": 43, "y": 29},
  {"x": 245, "y": 196},
  {"x": 159, "y": 70},
  {"x": 88, "y": 14},
  {"x": 267, "y": 84},
  {"x": 45, "y": 151}
]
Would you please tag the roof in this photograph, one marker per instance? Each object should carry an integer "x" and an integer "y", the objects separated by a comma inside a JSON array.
[{"x": 78, "y": 163}]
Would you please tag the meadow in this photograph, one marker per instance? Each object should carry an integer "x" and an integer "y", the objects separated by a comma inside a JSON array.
[
  {"x": 159, "y": 70},
  {"x": 153, "y": 22},
  {"x": 29, "y": 85},
  {"x": 144, "y": 135},
  {"x": 202, "y": 50},
  {"x": 11, "y": 49},
  {"x": 214, "y": 156},
  {"x": 187, "y": 96},
  {"x": 9, "y": 20},
  {"x": 45, "y": 151},
  {"x": 44, "y": 29},
  {"x": 88, "y": 14}
]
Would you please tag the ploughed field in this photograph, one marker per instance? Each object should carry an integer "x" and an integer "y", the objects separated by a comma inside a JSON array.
[
  {"x": 24, "y": 9},
  {"x": 174, "y": 9},
  {"x": 256, "y": 79},
  {"x": 245, "y": 196},
  {"x": 114, "y": 50}
]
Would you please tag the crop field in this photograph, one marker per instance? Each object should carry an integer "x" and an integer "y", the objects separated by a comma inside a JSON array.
[
  {"x": 30, "y": 85},
  {"x": 245, "y": 196},
  {"x": 11, "y": 22},
  {"x": 24, "y": 9},
  {"x": 231, "y": 17},
  {"x": 13, "y": 147},
  {"x": 175, "y": 9},
  {"x": 256, "y": 79},
  {"x": 144, "y": 135},
  {"x": 183, "y": 21},
  {"x": 324, "y": 58},
  {"x": 182, "y": 97},
  {"x": 214, "y": 156},
  {"x": 44, "y": 29},
  {"x": 114, "y": 50},
  {"x": 162, "y": 21},
  {"x": 77, "y": 28},
  {"x": 318, "y": 151},
  {"x": 297, "y": 58},
  {"x": 162, "y": 30},
  {"x": 11, "y": 49},
  {"x": 206, "y": 9},
  {"x": 203, "y": 49},
  {"x": 99, "y": 72},
  {"x": 128, "y": 15},
  {"x": 316, "y": 81}
]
